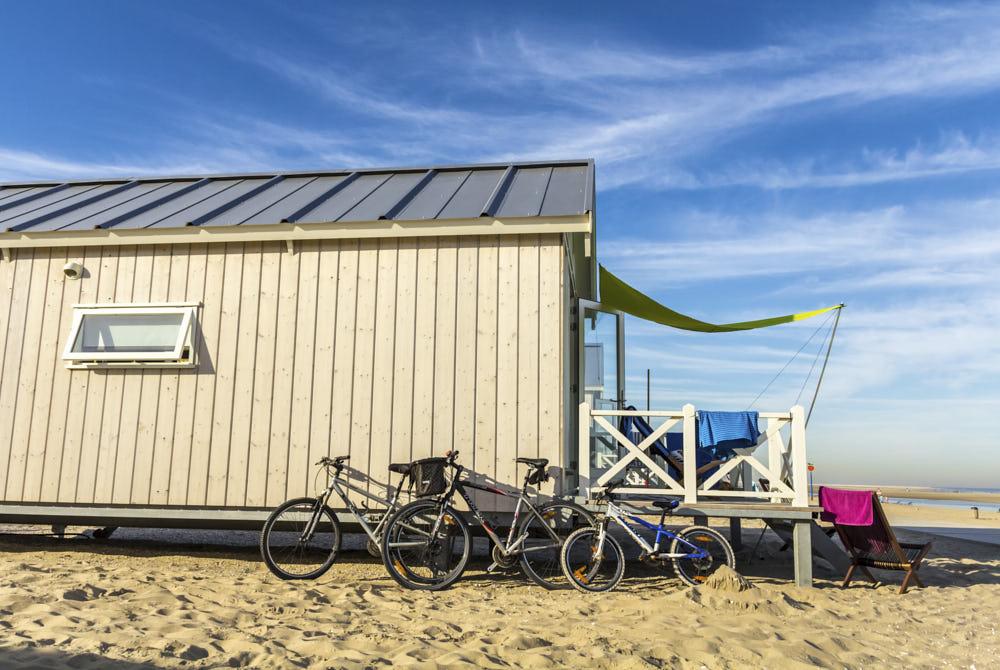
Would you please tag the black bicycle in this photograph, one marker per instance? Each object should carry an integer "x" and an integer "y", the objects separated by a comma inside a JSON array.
[
  {"x": 427, "y": 543},
  {"x": 301, "y": 537}
]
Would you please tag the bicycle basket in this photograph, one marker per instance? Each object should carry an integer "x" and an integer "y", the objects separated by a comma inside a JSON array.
[{"x": 428, "y": 476}]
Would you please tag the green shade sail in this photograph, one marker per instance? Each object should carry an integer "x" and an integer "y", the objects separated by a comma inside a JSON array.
[{"x": 618, "y": 295}]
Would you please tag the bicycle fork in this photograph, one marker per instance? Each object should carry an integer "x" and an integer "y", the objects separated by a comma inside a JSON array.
[
  {"x": 310, "y": 529},
  {"x": 586, "y": 572}
]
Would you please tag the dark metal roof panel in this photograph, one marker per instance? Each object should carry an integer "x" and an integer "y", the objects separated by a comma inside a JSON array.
[
  {"x": 526, "y": 193},
  {"x": 39, "y": 201},
  {"x": 567, "y": 191},
  {"x": 268, "y": 206},
  {"x": 11, "y": 191},
  {"x": 153, "y": 217},
  {"x": 46, "y": 193},
  {"x": 294, "y": 201},
  {"x": 261, "y": 201},
  {"x": 345, "y": 200},
  {"x": 382, "y": 199},
  {"x": 47, "y": 205},
  {"x": 187, "y": 216},
  {"x": 470, "y": 199},
  {"x": 433, "y": 197},
  {"x": 449, "y": 192},
  {"x": 128, "y": 203},
  {"x": 80, "y": 217}
]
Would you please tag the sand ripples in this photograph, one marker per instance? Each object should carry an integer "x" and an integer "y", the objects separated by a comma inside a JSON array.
[{"x": 135, "y": 608}]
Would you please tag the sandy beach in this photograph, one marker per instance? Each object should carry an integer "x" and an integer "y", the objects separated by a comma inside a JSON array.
[{"x": 140, "y": 601}]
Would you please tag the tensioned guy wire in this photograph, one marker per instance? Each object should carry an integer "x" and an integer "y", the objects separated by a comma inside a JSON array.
[{"x": 794, "y": 356}]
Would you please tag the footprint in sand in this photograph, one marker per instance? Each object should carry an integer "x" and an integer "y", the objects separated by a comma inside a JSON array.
[
  {"x": 523, "y": 642},
  {"x": 87, "y": 592}
]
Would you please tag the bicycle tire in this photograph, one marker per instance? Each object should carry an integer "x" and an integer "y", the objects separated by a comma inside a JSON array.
[
  {"x": 545, "y": 567},
  {"x": 269, "y": 550},
  {"x": 694, "y": 571},
  {"x": 408, "y": 565},
  {"x": 579, "y": 544}
]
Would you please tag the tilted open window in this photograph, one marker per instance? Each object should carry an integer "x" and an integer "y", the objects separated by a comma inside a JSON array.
[{"x": 157, "y": 335}]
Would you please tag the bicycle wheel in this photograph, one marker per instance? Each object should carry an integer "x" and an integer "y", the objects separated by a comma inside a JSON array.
[
  {"x": 540, "y": 550},
  {"x": 588, "y": 567},
  {"x": 426, "y": 546},
  {"x": 695, "y": 571},
  {"x": 288, "y": 547}
]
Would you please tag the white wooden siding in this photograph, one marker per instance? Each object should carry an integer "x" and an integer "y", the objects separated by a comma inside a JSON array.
[{"x": 389, "y": 350}]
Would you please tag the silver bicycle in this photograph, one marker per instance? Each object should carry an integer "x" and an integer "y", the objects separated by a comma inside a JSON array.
[
  {"x": 301, "y": 538},
  {"x": 593, "y": 560}
]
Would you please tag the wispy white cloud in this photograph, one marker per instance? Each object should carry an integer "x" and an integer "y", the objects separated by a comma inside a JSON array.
[
  {"x": 645, "y": 112},
  {"x": 946, "y": 243},
  {"x": 956, "y": 154},
  {"x": 22, "y": 165},
  {"x": 643, "y": 128}
]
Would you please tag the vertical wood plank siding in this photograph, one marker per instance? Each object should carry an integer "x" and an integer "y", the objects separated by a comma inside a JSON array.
[{"x": 388, "y": 349}]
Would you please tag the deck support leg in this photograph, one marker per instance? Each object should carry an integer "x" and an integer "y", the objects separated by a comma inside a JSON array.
[
  {"x": 802, "y": 549},
  {"x": 701, "y": 520},
  {"x": 736, "y": 533}
]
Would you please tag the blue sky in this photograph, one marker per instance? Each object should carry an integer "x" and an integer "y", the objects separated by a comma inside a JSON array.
[{"x": 752, "y": 159}]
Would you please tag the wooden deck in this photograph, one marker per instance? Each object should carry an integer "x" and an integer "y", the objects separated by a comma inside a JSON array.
[{"x": 778, "y": 459}]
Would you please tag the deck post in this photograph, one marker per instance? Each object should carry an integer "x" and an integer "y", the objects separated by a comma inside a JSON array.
[
  {"x": 690, "y": 457},
  {"x": 583, "y": 465},
  {"x": 735, "y": 533},
  {"x": 802, "y": 550},
  {"x": 800, "y": 473}
]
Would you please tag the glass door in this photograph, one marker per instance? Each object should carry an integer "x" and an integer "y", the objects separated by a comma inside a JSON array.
[
  {"x": 602, "y": 359},
  {"x": 603, "y": 385}
]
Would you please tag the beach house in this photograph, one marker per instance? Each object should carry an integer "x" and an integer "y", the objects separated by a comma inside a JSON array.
[{"x": 180, "y": 351}]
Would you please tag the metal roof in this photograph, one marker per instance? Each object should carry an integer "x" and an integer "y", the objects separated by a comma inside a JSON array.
[{"x": 543, "y": 189}]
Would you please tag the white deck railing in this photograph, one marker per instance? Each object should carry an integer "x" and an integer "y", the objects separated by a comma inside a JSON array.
[{"x": 785, "y": 467}]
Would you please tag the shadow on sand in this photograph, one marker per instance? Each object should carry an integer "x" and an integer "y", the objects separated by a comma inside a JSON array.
[
  {"x": 952, "y": 563},
  {"x": 41, "y": 658}
]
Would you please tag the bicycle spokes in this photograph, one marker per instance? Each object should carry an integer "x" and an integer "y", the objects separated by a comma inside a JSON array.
[
  {"x": 703, "y": 551},
  {"x": 426, "y": 545}
]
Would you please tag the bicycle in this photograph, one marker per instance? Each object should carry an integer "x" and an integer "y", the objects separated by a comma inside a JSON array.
[
  {"x": 301, "y": 537},
  {"x": 426, "y": 544},
  {"x": 593, "y": 561}
]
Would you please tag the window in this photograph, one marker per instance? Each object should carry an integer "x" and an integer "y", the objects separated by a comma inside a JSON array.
[{"x": 131, "y": 335}]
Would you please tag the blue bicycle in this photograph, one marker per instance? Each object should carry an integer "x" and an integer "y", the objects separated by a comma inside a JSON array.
[{"x": 593, "y": 561}]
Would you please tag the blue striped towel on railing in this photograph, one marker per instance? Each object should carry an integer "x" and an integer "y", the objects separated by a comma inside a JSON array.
[{"x": 727, "y": 430}]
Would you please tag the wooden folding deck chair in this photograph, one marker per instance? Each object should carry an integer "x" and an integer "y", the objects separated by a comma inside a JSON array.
[
  {"x": 671, "y": 457},
  {"x": 876, "y": 546}
]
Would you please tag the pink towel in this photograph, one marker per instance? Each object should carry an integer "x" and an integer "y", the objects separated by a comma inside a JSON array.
[{"x": 847, "y": 508}]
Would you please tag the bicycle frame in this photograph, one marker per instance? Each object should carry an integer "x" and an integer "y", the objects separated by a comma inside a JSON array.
[
  {"x": 620, "y": 517},
  {"x": 512, "y": 545},
  {"x": 337, "y": 485}
]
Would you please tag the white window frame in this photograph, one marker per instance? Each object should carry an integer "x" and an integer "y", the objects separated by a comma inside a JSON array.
[{"x": 123, "y": 359}]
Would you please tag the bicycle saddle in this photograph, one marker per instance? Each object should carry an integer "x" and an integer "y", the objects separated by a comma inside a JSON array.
[
  {"x": 401, "y": 468},
  {"x": 534, "y": 462},
  {"x": 665, "y": 504}
]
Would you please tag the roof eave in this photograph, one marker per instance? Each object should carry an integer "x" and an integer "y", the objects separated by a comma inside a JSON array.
[{"x": 578, "y": 223}]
